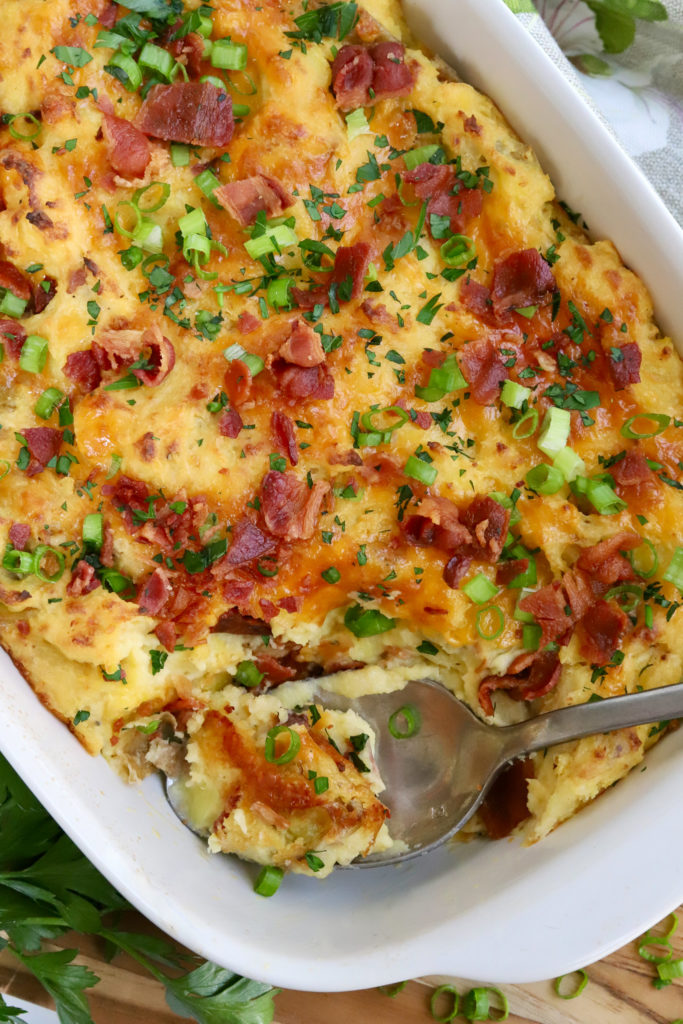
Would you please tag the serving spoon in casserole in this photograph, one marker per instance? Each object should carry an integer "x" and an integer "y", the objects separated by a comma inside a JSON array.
[{"x": 438, "y": 760}]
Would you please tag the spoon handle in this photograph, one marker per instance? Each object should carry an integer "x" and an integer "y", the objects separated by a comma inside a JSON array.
[{"x": 662, "y": 704}]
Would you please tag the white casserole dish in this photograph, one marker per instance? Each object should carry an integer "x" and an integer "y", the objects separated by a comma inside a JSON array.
[{"x": 493, "y": 911}]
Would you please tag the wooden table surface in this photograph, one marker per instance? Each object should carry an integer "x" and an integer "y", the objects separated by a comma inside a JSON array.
[{"x": 619, "y": 991}]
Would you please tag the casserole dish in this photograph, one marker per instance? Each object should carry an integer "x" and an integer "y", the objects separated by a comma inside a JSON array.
[{"x": 408, "y": 921}]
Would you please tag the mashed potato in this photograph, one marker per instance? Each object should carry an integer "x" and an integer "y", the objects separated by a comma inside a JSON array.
[{"x": 306, "y": 371}]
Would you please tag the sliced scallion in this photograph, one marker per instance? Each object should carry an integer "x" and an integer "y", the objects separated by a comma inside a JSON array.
[
  {"x": 93, "y": 531},
  {"x": 670, "y": 970},
  {"x": 603, "y": 497},
  {"x": 514, "y": 395},
  {"x": 132, "y": 73},
  {"x": 148, "y": 235},
  {"x": 405, "y": 722},
  {"x": 268, "y": 880},
  {"x": 291, "y": 750},
  {"x": 635, "y": 557},
  {"x": 228, "y": 56},
  {"x": 531, "y": 636},
  {"x": 526, "y": 426},
  {"x": 151, "y": 197},
  {"x": 12, "y": 305},
  {"x": 247, "y": 674},
  {"x": 34, "y": 354},
  {"x": 544, "y": 479},
  {"x": 569, "y": 464},
  {"x": 48, "y": 402},
  {"x": 356, "y": 124},
  {"x": 493, "y": 615},
  {"x": 416, "y": 469},
  {"x": 439, "y": 994},
  {"x": 422, "y": 155},
  {"x": 458, "y": 250},
  {"x": 207, "y": 182},
  {"x": 577, "y": 990},
  {"x": 29, "y": 119},
  {"x": 555, "y": 431},
  {"x": 364, "y": 622},
  {"x": 659, "y": 419},
  {"x": 180, "y": 154},
  {"x": 480, "y": 589},
  {"x": 42, "y": 552},
  {"x": 674, "y": 572},
  {"x": 278, "y": 293}
]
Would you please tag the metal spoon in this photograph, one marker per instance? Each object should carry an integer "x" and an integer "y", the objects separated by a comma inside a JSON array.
[{"x": 437, "y": 778}]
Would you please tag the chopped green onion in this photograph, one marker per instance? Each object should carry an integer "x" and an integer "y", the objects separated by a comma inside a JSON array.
[
  {"x": 603, "y": 498},
  {"x": 531, "y": 636},
  {"x": 278, "y": 293},
  {"x": 526, "y": 426},
  {"x": 331, "y": 575},
  {"x": 569, "y": 464},
  {"x": 19, "y": 562},
  {"x": 155, "y": 200},
  {"x": 416, "y": 469},
  {"x": 204, "y": 25},
  {"x": 148, "y": 235},
  {"x": 405, "y": 722},
  {"x": 661, "y": 421},
  {"x": 48, "y": 402},
  {"x": 555, "y": 431},
  {"x": 247, "y": 674},
  {"x": 93, "y": 531},
  {"x": 519, "y": 614},
  {"x": 356, "y": 124},
  {"x": 34, "y": 354},
  {"x": 228, "y": 56},
  {"x": 193, "y": 223},
  {"x": 514, "y": 395},
  {"x": 648, "y": 616},
  {"x": 528, "y": 577},
  {"x": 670, "y": 970},
  {"x": 373, "y": 438},
  {"x": 363, "y": 622},
  {"x": 199, "y": 244},
  {"x": 544, "y": 479},
  {"x": 583, "y": 981},
  {"x": 526, "y": 311},
  {"x": 673, "y": 927},
  {"x": 115, "y": 581},
  {"x": 240, "y": 109},
  {"x": 292, "y": 748},
  {"x": 261, "y": 246},
  {"x": 480, "y": 589},
  {"x": 130, "y": 69},
  {"x": 494, "y": 611},
  {"x": 180, "y": 154},
  {"x": 437, "y": 994},
  {"x": 30, "y": 119},
  {"x": 476, "y": 1005},
  {"x": 12, "y": 305},
  {"x": 268, "y": 880},
  {"x": 636, "y": 562},
  {"x": 392, "y": 990},
  {"x": 123, "y": 229},
  {"x": 674, "y": 573},
  {"x": 631, "y": 593},
  {"x": 214, "y": 80},
  {"x": 5, "y": 468},
  {"x": 458, "y": 250},
  {"x": 153, "y": 58},
  {"x": 655, "y": 942},
  {"x": 208, "y": 182},
  {"x": 366, "y": 420},
  {"x": 422, "y": 155},
  {"x": 41, "y": 552},
  {"x": 442, "y": 381}
]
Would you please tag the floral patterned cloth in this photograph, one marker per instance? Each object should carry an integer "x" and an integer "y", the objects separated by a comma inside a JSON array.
[{"x": 638, "y": 91}]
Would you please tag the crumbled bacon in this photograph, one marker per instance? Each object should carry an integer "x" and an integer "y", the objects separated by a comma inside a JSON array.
[
  {"x": 487, "y": 521},
  {"x": 579, "y": 594},
  {"x": 116, "y": 348},
  {"x": 535, "y": 680},
  {"x": 346, "y": 280},
  {"x": 238, "y": 592},
  {"x": 483, "y": 369},
  {"x": 13, "y": 336},
  {"x": 437, "y": 524},
  {"x": 521, "y": 279},
  {"x": 445, "y": 194},
  {"x": 456, "y": 568},
  {"x": 191, "y": 48},
  {"x": 84, "y": 369},
  {"x": 237, "y": 382},
  {"x": 43, "y": 444},
  {"x": 247, "y": 322},
  {"x": 604, "y": 564},
  {"x": 83, "y": 580},
  {"x": 43, "y": 294},
  {"x": 15, "y": 281},
  {"x": 240, "y": 625},
  {"x": 248, "y": 543},
  {"x": 18, "y": 535},
  {"x": 155, "y": 593},
  {"x": 107, "y": 549},
  {"x": 166, "y": 634},
  {"x": 624, "y": 365},
  {"x": 197, "y": 113},
  {"x": 302, "y": 346},
  {"x": 246, "y": 198},
  {"x": 290, "y": 508},
  {"x": 549, "y": 607},
  {"x": 632, "y": 471},
  {"x": 361, "y": 76},
  {"x": 159, "y": 357},
  {"x": 108, "y": 15},
  {"x": 298, "y": 383},
  {"x": 127, "y": 148},
  {"x": 476, "y": 298},
  {"x": 229, "y": 423},
  {"x": 283, "y": 436},
  {"x": 603, "y": 630},
  {"x": 506, "y": 572},
  {"x": 274, "y": 670}
]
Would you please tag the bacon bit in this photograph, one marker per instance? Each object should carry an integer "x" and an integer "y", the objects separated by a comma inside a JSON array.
[
  {"x": 542, "y": 676},
  {"x": 550, "y": 609},
  {"x": 505, "y": 806},
  {"x": 84, "y": 369},
  {"x": 580, "y": 597},
  {"x": 155, "y": 593},
  {"x": 626, "y": 369},
  {"x": 246, "y": 198},
  {"x": 42, "y": 297},
  {"x": 240, "y": 625},
  {"x": 377, "y": 313},
  {"x": 167, "y": 634},
  {"x": 604, "y": 563},
  {"x": 83, "y": 580},
  {"x": 483, "y": 369},
  {"x": 356, "y": 71},
  {"x": 197, "y": 113},
  {"x": 350, "y": 264},
  {"x": 77, "y": 279},
  {"x": 292, "y": 604},
  {"x": 476, "y": 298},
  {"x": 347, "y": 458},
  {"x": 237, "y": 382},
  {"x": 107, "y": 549},
  {"x": 521, "y": 279},
  {"x": 238, "y": 592},
  {"x": 13, "y": 336},
  {"x": 43, "y": 444},
  {"x": 191, "y": 47},
  {"x": 13, "y": 596},
  {"x": 352, "y": 72},
  {"x": 284, "y": 438},
  {"x": 290, "y": 509},
  {"x": 603, "y": 631},
  {"x": 159, "y": 352},
  {"x": 268, "y": 608},
  {"x": 487, "y": 521},
  {"x": 248, "y": 543},
  {"x": 108, "y": 15},
  {"x": 471, "y": 125},
  {"x": 15, "y": 281},
  {"x": 246, "y": 323},
  {"x": 302, "y": 347},
  {"x": 146, "y": 446},
  {"x": 19, "y": 534},
  {"x": 445, "y": 194},
  {"x": 508, "y": 571},
  {"x": 423, "y": 420},
  {"x": 127, "y": 148},
  {"x": 430, "y": 357},
  {"x": 632, "y": 471},
  {"x": 455, "y": 569},
  {"x": 275, "y": 671},
  {"x": 298, "y": 383},
  {"x": 229, "y": 423},
  {"x": 23, "y": 628},
  {"x": 127, "y": 491},
  {"x": 437, "y": 524}
]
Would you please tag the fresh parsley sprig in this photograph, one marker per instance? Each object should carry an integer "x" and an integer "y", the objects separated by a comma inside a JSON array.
[{"x": 48, "y": 888}]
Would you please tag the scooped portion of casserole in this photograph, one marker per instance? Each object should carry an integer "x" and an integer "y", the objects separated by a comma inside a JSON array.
[{"x": 307, "y": 373}]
